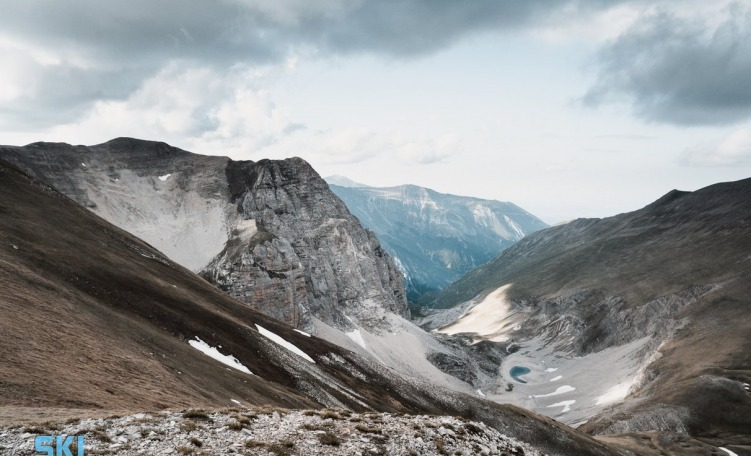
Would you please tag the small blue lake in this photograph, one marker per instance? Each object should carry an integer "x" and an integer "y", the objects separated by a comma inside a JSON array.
[{"x": 518, "y": 371}]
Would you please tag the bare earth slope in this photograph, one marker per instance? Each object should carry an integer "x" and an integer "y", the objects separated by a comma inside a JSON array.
[
  {"x": 644, "y": 317},
  {"x": 94, "y": 318}
]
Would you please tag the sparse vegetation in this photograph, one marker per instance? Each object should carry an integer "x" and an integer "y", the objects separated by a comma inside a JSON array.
[
  {"x": 329, "y": 439},
  {"x": 99, "y": 433},
  {"x": 235, "y": 425},
  {"x": 188, "y": 425},
  {"x": 440, "y": 446},
  {"x": 196, "y": 442},
  {"x": 185, "y": 450},
  {"x": 197, "y": 415},
  {"x": 326, "y": 414},
  {"x": 243, "y": 419},
  {"x": 281, "y": 448},
  {"x": 367, "y": 429},
  {"x": 473, "y": 429},
  {"x": 316, "y": 426},
  {"x": 254, "y": 444}
]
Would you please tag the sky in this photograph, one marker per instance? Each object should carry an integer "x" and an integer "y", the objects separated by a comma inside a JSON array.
[{"x": 566, "y": 108}]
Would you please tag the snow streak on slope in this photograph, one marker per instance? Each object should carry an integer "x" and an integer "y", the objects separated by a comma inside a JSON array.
[
  {"x": 212, "y": 352},
  {"x": 280, "y": 341}
]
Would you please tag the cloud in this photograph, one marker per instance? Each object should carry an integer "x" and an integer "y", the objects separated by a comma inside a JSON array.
[
  {"x": 200, "y": 108},
  {"x": 359, "y": 145},
  {"x": 68, "y": 56},
  {"x": 679, "y": 71},
  {"x": 733, "y": 150}
]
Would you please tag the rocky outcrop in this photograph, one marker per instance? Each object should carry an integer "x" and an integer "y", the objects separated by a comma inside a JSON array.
[
  {"x": 269, "y": 233},
  {"x": 308, "y": 253}
]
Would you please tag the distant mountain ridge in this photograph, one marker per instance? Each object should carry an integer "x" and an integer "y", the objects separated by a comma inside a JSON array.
[{"x": 434, "y": 238}]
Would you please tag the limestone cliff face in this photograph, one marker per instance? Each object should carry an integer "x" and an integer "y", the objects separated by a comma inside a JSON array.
[
  {"x": 269, "y": 233},
  {"x": 308, "y": 253}
]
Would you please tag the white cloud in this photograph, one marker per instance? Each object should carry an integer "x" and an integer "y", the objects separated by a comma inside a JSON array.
[
  {"x": 200, "y": 108},
  {"x": 732, "y": 150},
  {"x": 588, "y": 26}
]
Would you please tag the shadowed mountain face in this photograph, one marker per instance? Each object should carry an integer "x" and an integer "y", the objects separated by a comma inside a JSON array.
[
  {"x": 659, "y": 298},
  {"x": 435, "y": 238},
  {"x": 95, "y": 318},
  {"x": 268, "y": 233}
]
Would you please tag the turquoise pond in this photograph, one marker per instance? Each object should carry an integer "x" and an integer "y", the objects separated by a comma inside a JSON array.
[{"x": 518, "y": 371}]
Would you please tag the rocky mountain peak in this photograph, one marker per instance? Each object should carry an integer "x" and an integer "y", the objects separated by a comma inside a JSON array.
[{"x": 269, "y": 233}]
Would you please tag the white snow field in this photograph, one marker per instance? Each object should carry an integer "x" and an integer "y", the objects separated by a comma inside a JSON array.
[
  {"x": 212, "y": 352},
  {"x": 489, "y": 319}
]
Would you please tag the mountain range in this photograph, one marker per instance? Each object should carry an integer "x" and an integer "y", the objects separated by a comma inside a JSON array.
[
  {"x": 255, "y": 285},
  {"x": 97, "y": 321},
  {"x": 434, "y": 238}
]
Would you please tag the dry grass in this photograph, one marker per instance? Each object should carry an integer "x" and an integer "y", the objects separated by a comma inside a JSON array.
[
  {"x": 329, "y": 439},
  {"x": 330, "y": 414},
  {"x": 440, "y": 446},
  {"x": 367, "y": 429},
  {"x": 197, "y": 415},
  {"x": 235, "y": 426}
]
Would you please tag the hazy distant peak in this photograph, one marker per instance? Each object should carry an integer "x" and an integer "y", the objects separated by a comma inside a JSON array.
[{"x": 343, "y": 182}]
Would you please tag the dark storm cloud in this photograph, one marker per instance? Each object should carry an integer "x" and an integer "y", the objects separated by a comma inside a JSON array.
[
  {"x": 244, "y": 29},
  {"x": 107, "y": 49},
  {"x": 678, "y": 72}
]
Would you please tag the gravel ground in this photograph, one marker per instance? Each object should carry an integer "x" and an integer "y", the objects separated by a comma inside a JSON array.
[{"x": 271, "y": 432}]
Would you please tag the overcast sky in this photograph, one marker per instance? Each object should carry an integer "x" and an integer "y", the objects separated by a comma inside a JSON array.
[{"x": 568, "y": 109}]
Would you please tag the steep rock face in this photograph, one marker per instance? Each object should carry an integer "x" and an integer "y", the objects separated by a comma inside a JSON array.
[
  {"x": 269, "y": 233},
  {"x": 308, "y": 248},
  {"x": 435, "y": 237}
]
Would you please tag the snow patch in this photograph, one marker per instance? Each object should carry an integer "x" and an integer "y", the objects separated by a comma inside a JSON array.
[
  {"x": 399, "y": 265},
  {"x": 480, "y": 393},
  {"x": 356, "y": 337},
  {"x": 492, "y": 318},
  {"x": 212, "y": 352},
  {"x": 165, "y": 177},
  {"x": 555, "y": 379},
  {"x": 517, "y": 229},
  {"x": 565, "y": 404},
  {"x": 280, "y": 341},
  {"x": 551, "y": 369},
  {"x": 301, "y": 332},
  {"x": 731, "y": 453},
  {"x": 561, "y": 390},
  {"x": 616, "y": 393},
  {"x": 235, "y": 401},
  {"x": 83, "y": 164}
]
